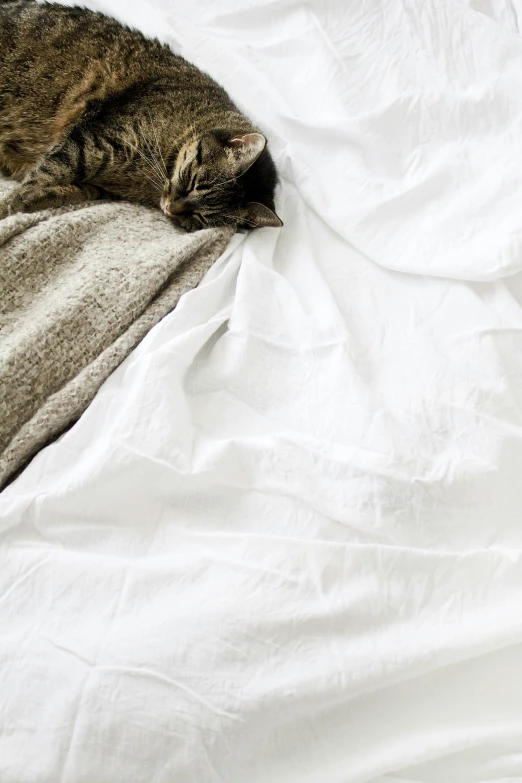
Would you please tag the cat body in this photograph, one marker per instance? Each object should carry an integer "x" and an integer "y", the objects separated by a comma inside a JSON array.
[{"x": 92, "y": 109}]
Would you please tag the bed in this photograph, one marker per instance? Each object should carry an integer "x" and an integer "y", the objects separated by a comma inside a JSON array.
[{"x": 284, "y": 541}]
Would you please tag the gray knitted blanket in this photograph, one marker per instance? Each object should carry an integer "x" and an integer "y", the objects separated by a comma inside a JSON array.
[{"x": 79, "y": 288}]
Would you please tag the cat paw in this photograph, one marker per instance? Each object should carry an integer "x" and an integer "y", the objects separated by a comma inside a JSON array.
[{"x": 10, "y": 205}]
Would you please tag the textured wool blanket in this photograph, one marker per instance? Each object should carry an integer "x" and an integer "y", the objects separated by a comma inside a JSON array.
[{"x": 79, "y": 288}]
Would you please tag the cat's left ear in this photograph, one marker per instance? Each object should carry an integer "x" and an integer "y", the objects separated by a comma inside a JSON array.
[
  {"x": 243, "y": 151},
  {"x": 258, "y": 216}
]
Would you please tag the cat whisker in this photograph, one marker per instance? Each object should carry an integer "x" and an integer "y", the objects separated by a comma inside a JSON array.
[
  {"x": 217, "y": 183},
  {"x": 153, "y": 159},
  {"x": 153, "y": 179},
  {"x": 158, "y": 145},
  {"x": 156, "y": 178},
  {"x": 238, "y": 219},
  {"x": 232, "y": 179},
  {"x": 159, "y": 166},
  {"x": 157, "y": 184},
  {"x": 154, "y": 182},
  {"x": 136, "y": 149},
  {"x": 144, "y": 157}
]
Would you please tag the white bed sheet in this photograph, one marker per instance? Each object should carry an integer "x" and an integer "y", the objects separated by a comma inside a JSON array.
[{"x": 284, "y": 542}]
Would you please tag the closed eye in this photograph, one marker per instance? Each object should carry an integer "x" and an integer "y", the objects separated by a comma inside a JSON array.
[
  {"x": 184, "y": 184},
  {"x": 190, "y": 186}
]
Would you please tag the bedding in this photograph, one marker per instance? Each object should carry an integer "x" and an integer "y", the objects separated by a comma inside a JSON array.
[
  {"x": 79, "y": 288},
  {"x": 283, "y": 543}
]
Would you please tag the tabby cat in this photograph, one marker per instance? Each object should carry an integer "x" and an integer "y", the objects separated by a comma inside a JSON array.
[{"x": 92, "y": 109}]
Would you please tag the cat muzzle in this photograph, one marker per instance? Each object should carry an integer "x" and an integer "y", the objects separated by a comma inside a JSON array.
[{"x": 177, "y": 207}]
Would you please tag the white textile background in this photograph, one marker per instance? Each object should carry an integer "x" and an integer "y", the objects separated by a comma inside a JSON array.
[{"x": 283, "y": 545}]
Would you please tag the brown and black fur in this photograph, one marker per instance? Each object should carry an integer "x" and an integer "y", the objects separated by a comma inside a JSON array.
[{"x": 91, "y": 109}]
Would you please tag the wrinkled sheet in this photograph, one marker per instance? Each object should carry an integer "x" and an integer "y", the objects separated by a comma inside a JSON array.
[
  {"x": 284, "y": 542},
  {"x": 79, "y": 288}
]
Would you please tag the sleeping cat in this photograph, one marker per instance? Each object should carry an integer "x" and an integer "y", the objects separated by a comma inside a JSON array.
[{"x": 91, "y": 109}]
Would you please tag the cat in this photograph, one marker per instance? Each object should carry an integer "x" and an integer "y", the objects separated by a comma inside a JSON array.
[{"x": 92, "y": 109}]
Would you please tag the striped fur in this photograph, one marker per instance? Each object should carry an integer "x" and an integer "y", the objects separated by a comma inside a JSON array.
[{"x": 90, "y": 108}]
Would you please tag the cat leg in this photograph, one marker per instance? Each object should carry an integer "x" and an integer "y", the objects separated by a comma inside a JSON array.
[
  {"x": 50, "y": 184},
  {"x": 28, "y": 198}
]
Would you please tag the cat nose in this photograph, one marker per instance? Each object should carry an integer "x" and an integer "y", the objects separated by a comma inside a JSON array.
[{"x": 177, "y": 207}]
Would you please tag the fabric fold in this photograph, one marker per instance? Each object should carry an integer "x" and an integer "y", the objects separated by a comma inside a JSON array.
[{"x": 79, "y": 288}]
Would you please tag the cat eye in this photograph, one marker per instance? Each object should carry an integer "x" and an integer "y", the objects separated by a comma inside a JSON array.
[
  {"x": 184, "y": 185},
  {"x": 185, "y": 189}
]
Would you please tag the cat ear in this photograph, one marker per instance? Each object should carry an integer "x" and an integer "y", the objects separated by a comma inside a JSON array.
[
  {"x": 258, "y": 216},
  {"x": 243, "y": 151}
]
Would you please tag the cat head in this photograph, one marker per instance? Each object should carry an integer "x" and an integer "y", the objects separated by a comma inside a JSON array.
[{"x": 222, "y": 179}]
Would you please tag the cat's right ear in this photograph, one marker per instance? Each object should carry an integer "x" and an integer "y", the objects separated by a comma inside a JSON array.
[
  {"x": 243, "y": 150},
  {"x": 234, "y": 154}
]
